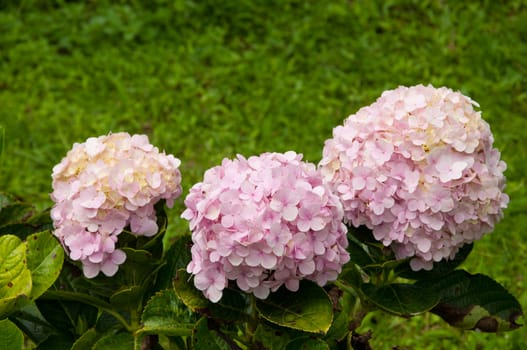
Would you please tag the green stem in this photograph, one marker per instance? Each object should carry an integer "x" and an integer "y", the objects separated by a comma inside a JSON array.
[
  {"x": 252, "y": 322},
  {"x": 360, "y": 308},
  {"x": 87, "y": 299},
  {"x": 348, "y": 341},
  {"x": 137, "y": 342},
  {"x": 356, "y": 292},
  {"x": 385, "y": 276},
  {"x": 134, "y": 318}
]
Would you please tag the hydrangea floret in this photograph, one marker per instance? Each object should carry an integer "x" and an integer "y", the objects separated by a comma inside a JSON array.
[
  {"x": 104, "y": 185},
  {"x": 419, "y": 169},
  {"x": 264, "y": 222}
]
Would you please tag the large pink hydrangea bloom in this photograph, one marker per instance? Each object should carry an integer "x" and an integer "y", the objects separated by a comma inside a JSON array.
[
  {"x": 419, "y": 169},
  {"x": 264, "y": 222},
  {"x": 104, "y": 185}
]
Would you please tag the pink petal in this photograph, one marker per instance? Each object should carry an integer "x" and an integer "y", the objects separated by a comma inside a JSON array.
[
  {"x": 290, "y": 213},
  {"x": 109, "y": 268},
  {"x": 118, "y": 257},
  {"x": 90, "y": 270}
]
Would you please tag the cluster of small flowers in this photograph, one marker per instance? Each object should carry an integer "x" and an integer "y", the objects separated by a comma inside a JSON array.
[
  {"x": 418, "y": 167},
  {"x": 105, "y": 185},
  {"x": 264, "y": 222}
]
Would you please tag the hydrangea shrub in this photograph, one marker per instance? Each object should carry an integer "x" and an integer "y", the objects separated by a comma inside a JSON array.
[
  {"x": 264, "y": 222},
  {"x": 418, "y": 167},
  {"x": 104, "y": 185},
  {"x": 277, "y": 252}
]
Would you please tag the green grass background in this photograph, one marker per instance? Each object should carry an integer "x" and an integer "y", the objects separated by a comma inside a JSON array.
[{"x": 210, "y": 79}]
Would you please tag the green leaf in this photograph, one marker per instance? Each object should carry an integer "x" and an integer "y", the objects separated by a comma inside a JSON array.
[
  {"x": 271, "y": 338},
  {"x": 86, "y": 340},
  {"x": 138, "y": 266},
  {"x": 362, "y": 234},
  {"x": 343, "y": 318},
  {"x": 309, "y": 309},
  {"x": 133, "y": 280},
  {"x": 21, "y": 230},
  {"x": 172, "y": 343},
  {"x": 15, "y": 277},
  {"x": 41, "y": 219},
  {"x": 166, "y": 314},
  {"x": 106, "y": 322},
  {"x": 440, "y": 268},
  {"x": 401, "y": 299},
  {"x": 474, "y": 302},
  {"x": 44, "y": 259},
  {"x": 14, "y": 213},
  {"x": 32, "y": 323},
  {"x": 79, "y": 308},
  {"x": 155, "y": 244},
  {"x": 137, "y": 294},
  {"x": 66, "y": 315},
  {"x": 57, "y": 341},
  {"x": 12, "y": 338},
  {"x": 365, "y": 251},
  {"x": 6, "y": 199},
  {"x": 206, "y": 338},
  {"x": 307, "y": 343},
  {"x": 24, "y": 226},
  {"x": 185, "y": 290},
  {"x": 55, "y": 314},
  {"x": 358, "y": 253},
  {"x": 127, "y": 297},
  {"x": 176, "y": 257},
  {"x": 231, "y": 307},
  {"x": 350, "y": 278},
  {"x": 120, "y": 341}
]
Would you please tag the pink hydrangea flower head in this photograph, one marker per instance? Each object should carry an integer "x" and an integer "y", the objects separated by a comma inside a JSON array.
[
  {"x": 264, "y": 222},
  {"x": 419, "y": 169},
  {"x": 104, "y": 185}
]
